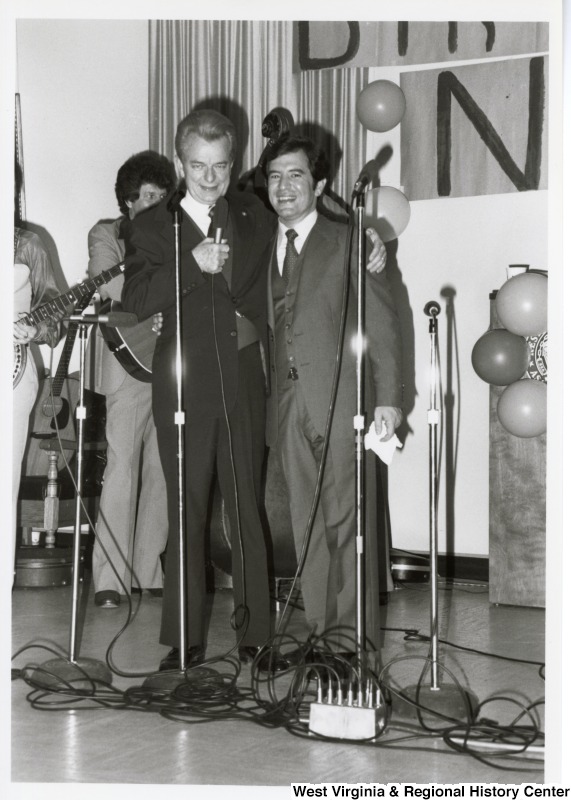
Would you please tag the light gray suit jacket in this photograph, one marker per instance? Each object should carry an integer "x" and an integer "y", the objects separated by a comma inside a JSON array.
[{"x": 105, "y": 250}]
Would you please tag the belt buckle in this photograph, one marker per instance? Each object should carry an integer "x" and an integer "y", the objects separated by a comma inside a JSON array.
[{"x": 292, "y": 374}]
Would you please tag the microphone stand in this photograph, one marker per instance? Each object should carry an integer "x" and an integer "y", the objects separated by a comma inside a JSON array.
[
  {"x": 359, "y": 426},
  {"x": 360, "y": 714},
  {"x": 173, "y": 678},
  {"x": 81, "y": 673},
  {"x": 445, "y": 701}
]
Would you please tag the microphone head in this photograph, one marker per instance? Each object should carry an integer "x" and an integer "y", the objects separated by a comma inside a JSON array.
[
  {"x": 367, "y": 174},
  {"x": 432, "y": 308},
  {"x": 173, "y": 203},
  {"x": 220, "y": 216},
  {"x": 121, "y": 319}
]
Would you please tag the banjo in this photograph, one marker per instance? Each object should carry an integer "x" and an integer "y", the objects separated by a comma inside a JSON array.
[{"x": 55, "y": 308}]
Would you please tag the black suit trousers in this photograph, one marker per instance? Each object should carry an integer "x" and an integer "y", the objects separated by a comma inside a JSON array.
[{"x": 237, "y": 461}]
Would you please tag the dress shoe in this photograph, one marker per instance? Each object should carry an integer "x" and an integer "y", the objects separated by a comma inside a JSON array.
[
  {"x": 154, "y": 592},
  {"x": 107, "y": 599},
  {"x": 194, "y": 656},
  {"x": 268, "y": 662}
]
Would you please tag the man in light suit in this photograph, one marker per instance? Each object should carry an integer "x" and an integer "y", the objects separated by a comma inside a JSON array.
[
  {"x": 132, "y": 522},
  {"x": 305, "y": 288}
]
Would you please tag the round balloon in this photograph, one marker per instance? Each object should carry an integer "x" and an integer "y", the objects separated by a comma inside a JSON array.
[
  {"x": 521, "y": 304},
  {"x": 381, "y": 105},
  {"x": 522, "y": 408},
  {"x": 500, "y": 357},
  {"x": 388, "y": 210}
]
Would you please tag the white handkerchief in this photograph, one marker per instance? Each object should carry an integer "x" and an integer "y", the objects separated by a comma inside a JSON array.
[{"x": 384, "y": 450}]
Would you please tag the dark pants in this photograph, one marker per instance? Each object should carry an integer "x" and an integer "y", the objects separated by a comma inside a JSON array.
[{"x": 237, "y": 461}]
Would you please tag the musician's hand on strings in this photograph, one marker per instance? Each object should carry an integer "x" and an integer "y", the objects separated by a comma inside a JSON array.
[
  {"x": 23, "y": 334},
  {"x": 378, "y": 256},
  {"x": 157, "y": 323},
  {"x": 209, "y": 256}
]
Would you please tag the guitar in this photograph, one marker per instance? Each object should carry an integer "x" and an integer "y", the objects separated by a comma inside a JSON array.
[
  {"x": 55, "y": 308},
  {"x": 134, "y": 346},
  {"x": 53, "y": 410}
]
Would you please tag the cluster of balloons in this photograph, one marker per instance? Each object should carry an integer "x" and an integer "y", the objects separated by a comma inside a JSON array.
[
  {"x": 380, "y": 107},
  {"x": 501, "y": 356}
]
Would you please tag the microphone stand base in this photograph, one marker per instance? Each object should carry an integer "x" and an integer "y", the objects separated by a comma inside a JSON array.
[
  {"x": 80, "y": 674},
  {"x": 168, "y": 681},
  {"x": 435, "y": 705}
]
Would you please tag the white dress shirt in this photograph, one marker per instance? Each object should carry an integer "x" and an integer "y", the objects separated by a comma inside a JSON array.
[
  {"x": 198, "y": 212},
  {"x": 303, "y": 229}
]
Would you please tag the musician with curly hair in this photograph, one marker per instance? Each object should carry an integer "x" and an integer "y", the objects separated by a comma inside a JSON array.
[{"x": 132, "y": 519}]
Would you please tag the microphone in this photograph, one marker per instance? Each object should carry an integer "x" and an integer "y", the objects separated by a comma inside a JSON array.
[
  {"x": 115, "y": 319},
  {"x": 219, "y": 218},
  {"x": 432, "y": 308},
  {"x": 367, "y": 174},
  {"x": 173, "y": 203}
]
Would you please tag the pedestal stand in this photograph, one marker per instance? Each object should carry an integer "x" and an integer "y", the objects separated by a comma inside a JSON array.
[
  {"x": 444, "y": 700},
  {"x": 81, "y": 673}
]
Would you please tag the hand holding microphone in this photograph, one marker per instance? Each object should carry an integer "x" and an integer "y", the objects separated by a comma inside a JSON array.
[{"x": 213, "y": 251}]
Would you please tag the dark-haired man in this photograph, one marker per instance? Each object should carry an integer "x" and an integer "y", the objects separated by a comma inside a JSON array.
[
  {"x": 132, "y": 522},
  {"x": 306, "y": 270}
]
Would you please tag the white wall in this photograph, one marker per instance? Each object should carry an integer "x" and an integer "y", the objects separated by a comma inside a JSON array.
[
  {"x": 83, "y": 86},
  {"x": 464, "y": 244},
  {"x": 84, "y": 90}
]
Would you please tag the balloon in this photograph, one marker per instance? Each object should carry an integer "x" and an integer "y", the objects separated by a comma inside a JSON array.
[
  {"x": 387, "y": 210},
  {"x": 522, "y": 408},
  {"x": 521, "y": 304},
  {"x": 500, "y": 357},
  {"x": 381, "y": 105}
]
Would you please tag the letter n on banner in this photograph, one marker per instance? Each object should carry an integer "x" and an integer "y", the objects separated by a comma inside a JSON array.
[{"x": 475, "y": 130}]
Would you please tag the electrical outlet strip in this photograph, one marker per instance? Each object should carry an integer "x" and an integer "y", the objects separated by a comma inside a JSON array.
[{"x": 345, "y": 721}]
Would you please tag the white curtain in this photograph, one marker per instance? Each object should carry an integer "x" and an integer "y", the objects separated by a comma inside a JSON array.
[{"x": 244, "y": 68}]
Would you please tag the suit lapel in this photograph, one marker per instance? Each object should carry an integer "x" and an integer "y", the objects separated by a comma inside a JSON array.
[
  {"x": 190, "y": 235},
  {"x": 319, "y": 251},
  {"x": 243, "y": 231},
  {"x": 271, "y": 255}
]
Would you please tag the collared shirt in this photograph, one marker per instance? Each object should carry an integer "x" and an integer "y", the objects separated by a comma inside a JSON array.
[
  {"x": 303, "y": 229},
  {"x": 198, "y": 212}
]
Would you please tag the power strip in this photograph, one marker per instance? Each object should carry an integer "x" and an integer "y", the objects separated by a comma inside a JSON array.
[{"x": 346, "y": 721}]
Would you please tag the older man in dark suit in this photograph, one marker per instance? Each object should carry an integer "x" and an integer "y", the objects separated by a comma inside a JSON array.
[
  {"x": 224, "y": 331},
  {"x": 305, "y": 300}
]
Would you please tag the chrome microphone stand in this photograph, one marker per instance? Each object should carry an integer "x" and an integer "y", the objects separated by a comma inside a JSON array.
[
  {"x": 359, "y": 426},
  {"x": 173, "y": 678},
  {"x": 81, "y": 673},
  {"x": 445, "y": 701}
]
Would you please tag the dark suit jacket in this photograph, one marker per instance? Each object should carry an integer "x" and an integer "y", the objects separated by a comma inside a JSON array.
[
  {"x": 208, "y": 304},
  {"x": 316, "y": 317}
]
